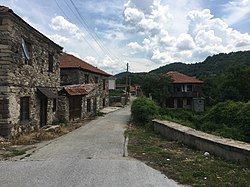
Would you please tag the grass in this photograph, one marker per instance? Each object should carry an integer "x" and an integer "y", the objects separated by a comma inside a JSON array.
[{"x": 185, "y": 165}]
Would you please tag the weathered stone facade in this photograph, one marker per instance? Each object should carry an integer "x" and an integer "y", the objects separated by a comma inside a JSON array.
[
  {"x": 86, "y": 85},
  {"x": 28, "y": 60}
]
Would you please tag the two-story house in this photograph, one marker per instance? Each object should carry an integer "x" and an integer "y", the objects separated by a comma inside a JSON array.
[
  {"x": 29, "y": 76},
  {"x": 184, "y": 92},
  {"x": 84, "y": 88}
]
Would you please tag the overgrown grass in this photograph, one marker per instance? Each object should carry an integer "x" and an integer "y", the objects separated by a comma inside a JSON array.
[{"x": 183, "y": 164}]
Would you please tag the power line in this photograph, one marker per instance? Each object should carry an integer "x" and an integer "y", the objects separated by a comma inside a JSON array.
[
  {"x": 78, "y": 19},
  {"x": 94, "y": 35}
]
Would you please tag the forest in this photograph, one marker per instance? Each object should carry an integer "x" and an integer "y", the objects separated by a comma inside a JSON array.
[{"x": 226, "y": 89}]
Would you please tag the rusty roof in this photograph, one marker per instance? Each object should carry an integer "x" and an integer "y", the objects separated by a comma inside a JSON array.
[
  {"x": 177, "y": 77},
  {"x": 70, "y": 61},
  {"x": 77, "y": 90}
]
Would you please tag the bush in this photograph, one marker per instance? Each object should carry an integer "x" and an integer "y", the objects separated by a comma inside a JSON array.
[
  {"x": 225, "y": 113},
  {"x": 144, "y": 110}
]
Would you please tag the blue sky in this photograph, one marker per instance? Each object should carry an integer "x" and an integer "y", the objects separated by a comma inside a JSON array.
[{"x": 146, "y": 34}]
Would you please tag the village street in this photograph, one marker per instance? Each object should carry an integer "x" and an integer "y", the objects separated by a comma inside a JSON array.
[{"x": 92, "y": 155}]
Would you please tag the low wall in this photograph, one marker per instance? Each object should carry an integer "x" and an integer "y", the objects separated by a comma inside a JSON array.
[{"x": 222, "y": 147}]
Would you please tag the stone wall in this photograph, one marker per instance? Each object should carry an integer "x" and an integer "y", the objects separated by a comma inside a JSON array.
[
  {"x": 20, "y": 77},
  {"x": 222, "y": 147},
  {"x": 77, "y": 76}
]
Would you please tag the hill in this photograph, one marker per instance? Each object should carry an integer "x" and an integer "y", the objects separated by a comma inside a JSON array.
[{"x": 212, "y": 66}]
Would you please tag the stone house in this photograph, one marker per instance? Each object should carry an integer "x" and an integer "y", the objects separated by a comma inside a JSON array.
[
  {"x": 185, "y": 92},
  {"x": 84, "y": 89},
  {"x": 29, "y": 76}
]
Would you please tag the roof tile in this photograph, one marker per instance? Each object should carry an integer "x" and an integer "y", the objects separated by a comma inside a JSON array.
[
  {"x": 177, "y": 77},
  {"x": 70, "y": 61}
]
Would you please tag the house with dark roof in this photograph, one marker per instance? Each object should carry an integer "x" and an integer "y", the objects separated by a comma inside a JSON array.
[
  {"x": 29, "y": 76},
  {"x": 84, "y": 88},
  {"x": 185, "y": 92}
]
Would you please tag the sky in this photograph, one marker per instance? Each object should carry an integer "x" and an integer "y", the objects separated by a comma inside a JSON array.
[{"x": 146, "y": 34}]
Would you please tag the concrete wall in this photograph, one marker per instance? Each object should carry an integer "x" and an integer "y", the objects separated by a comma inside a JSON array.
[{"x": 222, "y": 147}]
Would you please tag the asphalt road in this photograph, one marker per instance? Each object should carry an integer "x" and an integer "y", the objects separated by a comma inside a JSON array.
[{"x": 90, "y": 156}]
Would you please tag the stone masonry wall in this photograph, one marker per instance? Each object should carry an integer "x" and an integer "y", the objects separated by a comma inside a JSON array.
[
  {"x": 77, "y": 76},
  {"x": 19, "y": 77}
]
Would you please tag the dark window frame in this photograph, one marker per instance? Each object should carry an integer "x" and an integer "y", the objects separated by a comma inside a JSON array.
[
  {"x": 189, "y": 88},
  {"x": 96, "y": 79},
  {"x": 24, "y": 108},
  {"x": 86, "y": 78},
  {"x": 29, "y": 47}
]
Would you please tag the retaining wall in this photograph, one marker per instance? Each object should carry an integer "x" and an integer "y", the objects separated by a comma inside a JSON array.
[{"x": 222, "y": 147}]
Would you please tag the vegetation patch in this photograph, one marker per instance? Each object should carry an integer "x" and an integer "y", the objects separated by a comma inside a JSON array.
[{"x": 182, "y": 164}]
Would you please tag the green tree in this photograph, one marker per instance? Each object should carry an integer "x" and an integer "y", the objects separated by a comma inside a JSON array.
[
  {"x": 156, "y": 86},
  {"x": 235, "y": 84},
  {"x": 144, "y": 110}
]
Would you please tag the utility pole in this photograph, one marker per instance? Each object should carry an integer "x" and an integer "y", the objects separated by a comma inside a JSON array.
[{"x": 126, "y": 99}]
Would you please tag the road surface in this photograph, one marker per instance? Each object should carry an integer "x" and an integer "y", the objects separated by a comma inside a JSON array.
[{"x": 90, "y": 156}]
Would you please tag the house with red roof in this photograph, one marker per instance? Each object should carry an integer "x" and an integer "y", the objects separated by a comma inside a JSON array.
[
  {"x": 185, "y": 92},
  {"x": 84, "y": 88}
]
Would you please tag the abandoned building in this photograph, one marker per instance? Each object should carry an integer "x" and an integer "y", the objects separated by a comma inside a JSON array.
[
  {"x": 84, "y": 89},
  {"x": 185, "y": 92},
  {"x": 29, "y": 76}
]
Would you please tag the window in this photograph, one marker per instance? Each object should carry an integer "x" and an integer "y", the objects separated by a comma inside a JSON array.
[
  {"x": 1, "y": 21},
  {"x": 88, "y": 105},
  {"x": 86, "y": 79},
  {"x": 103, "y": 84},
  {"x": 27, "y": 51},
  {"x": 54, "y": 105},
  {"x": 24, "y": 108},
  {"x": 96, "y": 80},
  {"x": 189, "y": 88},
  {"x": 178, "y": 88},
  {"x": 51, "y": 63}
]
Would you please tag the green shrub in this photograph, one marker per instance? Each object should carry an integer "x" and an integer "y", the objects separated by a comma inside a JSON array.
[
  {"x": 225, "y": 113},
  {"x": 144, "y": 110}
]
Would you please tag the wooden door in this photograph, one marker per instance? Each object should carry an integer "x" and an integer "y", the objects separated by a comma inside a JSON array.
[
  {"x": 75, "y": 107},
  {"x": 43, "y": 111}
]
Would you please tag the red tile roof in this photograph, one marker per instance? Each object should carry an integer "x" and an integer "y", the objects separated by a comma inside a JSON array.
[
  {"x": 76, "y": 90},
  {"x": 177, "y": 77},
  {"x": 70, "y": 61}
]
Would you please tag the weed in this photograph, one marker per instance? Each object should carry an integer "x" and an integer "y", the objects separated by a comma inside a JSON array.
[{"x": 185, "y": 165}]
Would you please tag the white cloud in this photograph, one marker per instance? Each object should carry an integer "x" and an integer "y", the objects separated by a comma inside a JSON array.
[
  {"x": 58, "y": 38},
  {"x": 185, "y": 42},
  {"x": 135, "y": 46},
  {"x": 236, "y": 10},
  {"x": 59, "y": 23},
  {"x": 107, "y": 63},
  {"x": 202, "y": 34},
  {"x": 74, "y": 54}
]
